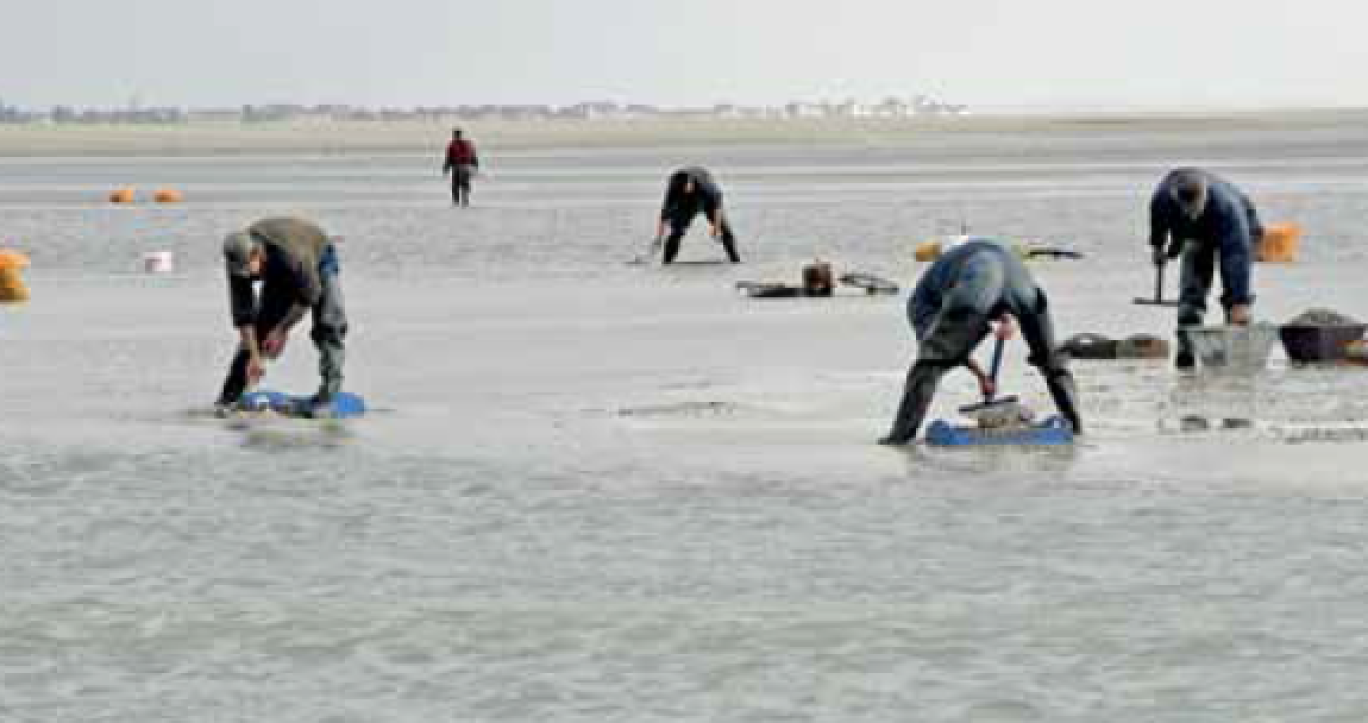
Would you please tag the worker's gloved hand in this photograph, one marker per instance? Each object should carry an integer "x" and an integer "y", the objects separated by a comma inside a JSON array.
[
  {"x": 274, "y": 344},
  {"x": 987, "y": 386},
  {"x": 255, "y": 369},
  {"x": 1160, "y": 255},
  {"x": 1005, "y": 328},
  {"x": 1238, "y": 315}
]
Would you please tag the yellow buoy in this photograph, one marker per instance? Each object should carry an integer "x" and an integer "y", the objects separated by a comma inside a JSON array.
[
  {"x": 168, "y": 195},
  {"x": 121, "y": 195},
  {"x": 1279, "y": 243},
  {"x": 12, "y": 288}
]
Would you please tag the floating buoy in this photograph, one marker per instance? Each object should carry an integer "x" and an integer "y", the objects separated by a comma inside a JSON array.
[
  {"x": 159, "y": 262},
  {"x": 168, "y": 195},
  {"x": 1279, "y": 243},
  {"x": 121, "y": 195},
  {"x": 12, "y": 288}
]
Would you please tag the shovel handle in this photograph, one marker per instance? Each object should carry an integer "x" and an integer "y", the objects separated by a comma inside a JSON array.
[
  {"x": 996, "y": 365},
  {"x": 1159, "y": 283}
]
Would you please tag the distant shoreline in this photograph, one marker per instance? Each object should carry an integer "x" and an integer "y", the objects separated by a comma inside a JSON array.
[{"x": 421, "y": 137}]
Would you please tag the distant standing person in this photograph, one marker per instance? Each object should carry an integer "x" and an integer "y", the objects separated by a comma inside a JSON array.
[
  {"x": 298, "y": 267},
  {"x": 689, "y": 191},
  {"x": 462, "y": 163},
  {"x": 1204, "y": 218}
]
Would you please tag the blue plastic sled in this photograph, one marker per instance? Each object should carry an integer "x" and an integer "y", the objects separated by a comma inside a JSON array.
[
  {"x": 344, "y": 406},
  {"x": 1052, "y": 431}
]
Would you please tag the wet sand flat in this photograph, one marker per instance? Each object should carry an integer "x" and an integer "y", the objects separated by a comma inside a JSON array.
[{"x": 595, "y": 491}]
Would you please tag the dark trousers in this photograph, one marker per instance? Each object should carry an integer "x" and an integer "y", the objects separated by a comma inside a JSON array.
[
  {"x": 329, "y": 330},
  {"x": 953, "y": 336},
  {"x": 460, "y": 184},
  {"x": 679, "y": 225},
  {"x": 1199, "y": 263}
]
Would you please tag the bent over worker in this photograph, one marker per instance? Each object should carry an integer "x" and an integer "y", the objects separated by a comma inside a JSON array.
[
  {"x": 690, "y": 191},
  {"x": 298, "y": 268},
  {"x": 1205, "y": 219},
  {"x": 969, "y": 289}
]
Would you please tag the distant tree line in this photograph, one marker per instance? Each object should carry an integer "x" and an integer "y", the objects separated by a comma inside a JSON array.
[{"x": 891, "y": 107}]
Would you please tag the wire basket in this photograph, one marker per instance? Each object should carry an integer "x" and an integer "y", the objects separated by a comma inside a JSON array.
[{"x": 1233, "y": 348}]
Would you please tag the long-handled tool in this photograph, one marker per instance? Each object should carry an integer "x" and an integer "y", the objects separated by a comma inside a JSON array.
[
  {"x": 995, "y": 411},
  {"x": 1158, "y": 299}
]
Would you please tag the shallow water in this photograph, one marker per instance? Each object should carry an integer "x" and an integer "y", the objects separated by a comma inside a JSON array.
[{"x": 593, "y": 491}]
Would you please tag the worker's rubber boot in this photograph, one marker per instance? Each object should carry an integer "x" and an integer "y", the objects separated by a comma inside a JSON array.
[
  {"x": 921, "y": 384},
  {"x": 1065, "y": 395},
  {"x": 321, "y": 403}
]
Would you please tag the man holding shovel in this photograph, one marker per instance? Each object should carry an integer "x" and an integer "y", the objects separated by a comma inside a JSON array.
[
  {"x": 976, "y": 287},
  {"x": 1204, "y": 218}
]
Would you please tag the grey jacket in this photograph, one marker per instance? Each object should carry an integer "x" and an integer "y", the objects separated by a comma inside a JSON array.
[
  {"x": 294, "y": 250},
  {"x": 980, "y": 275}
]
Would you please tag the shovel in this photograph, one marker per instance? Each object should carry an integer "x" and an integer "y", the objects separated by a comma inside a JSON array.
[
  {"x": 1158, "y": 299},
  {"x": 1000, "y": 410}
]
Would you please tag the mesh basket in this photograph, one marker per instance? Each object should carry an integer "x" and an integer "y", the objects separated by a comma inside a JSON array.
[{"x": 1233, "y": 348}]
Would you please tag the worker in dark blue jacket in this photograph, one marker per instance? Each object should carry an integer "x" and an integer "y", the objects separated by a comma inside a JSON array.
[
  {"x": 690, "y": 191},
  {"x": 1206, "y": 220},
  {"x": 976, "y": 287}
]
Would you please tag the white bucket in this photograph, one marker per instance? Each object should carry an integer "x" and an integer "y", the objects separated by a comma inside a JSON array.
[{"x": 159, "y": 262}]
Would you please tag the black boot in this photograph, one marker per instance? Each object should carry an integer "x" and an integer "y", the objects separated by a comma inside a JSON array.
[
  {"x": 918, "y": 391},
  {"x": 1183, "y": 358},
  {"x": 1065, "y": 395},
  {"x": 236, "y": 381}
]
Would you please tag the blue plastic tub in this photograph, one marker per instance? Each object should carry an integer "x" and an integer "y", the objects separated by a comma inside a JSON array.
[{"x": 1052, "y": 431}]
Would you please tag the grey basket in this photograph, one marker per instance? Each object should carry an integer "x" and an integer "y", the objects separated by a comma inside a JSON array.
[{"x": 1233, "y": 348}]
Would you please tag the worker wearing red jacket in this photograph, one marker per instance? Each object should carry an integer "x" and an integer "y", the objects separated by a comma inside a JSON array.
[{"x": 462, "y": 163}]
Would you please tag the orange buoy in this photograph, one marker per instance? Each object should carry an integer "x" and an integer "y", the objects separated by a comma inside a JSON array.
[
  {"x": 1279, "y": 243},
  {"x": 927, "y": 251},
  {"x": 168, "y": 195},
  {"x": 12, "y": 288},
  {"x": 122, "y": 195}
]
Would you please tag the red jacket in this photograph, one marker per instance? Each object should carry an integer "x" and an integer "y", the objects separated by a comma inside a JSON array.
[{"x": 461, "y": 153}]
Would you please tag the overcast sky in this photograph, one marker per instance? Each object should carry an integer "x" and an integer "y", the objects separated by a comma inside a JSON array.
[{"x": 1160, "y": 53}]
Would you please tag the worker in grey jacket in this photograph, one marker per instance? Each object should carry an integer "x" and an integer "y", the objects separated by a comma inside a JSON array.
[
  {"x": 298, "y": 267},
  {"x": 1204, "y": 218},
  {"x": 691, "y": 191},
  {"x": 974, "y": 286}
]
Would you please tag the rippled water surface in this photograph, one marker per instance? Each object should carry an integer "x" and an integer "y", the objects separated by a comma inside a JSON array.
[{"x": 592, "y": 491}]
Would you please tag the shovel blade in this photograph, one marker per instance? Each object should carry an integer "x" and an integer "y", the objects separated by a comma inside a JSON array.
[{"x": 999, "y": 403}]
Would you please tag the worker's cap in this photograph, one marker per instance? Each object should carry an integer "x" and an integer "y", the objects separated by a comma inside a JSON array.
[
  {"x": 237, "y": 252},
  {"x": 1190, "y": 191}
]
